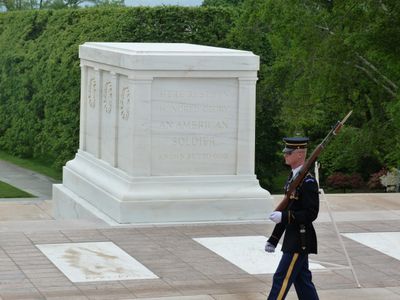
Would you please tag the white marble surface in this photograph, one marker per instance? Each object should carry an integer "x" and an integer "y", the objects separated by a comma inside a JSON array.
[
  {"x": 167, "y": 134},
  {"x": 169, "y": 56},
  {"x": 385, "y": 242},
  {"x": 97, "y": 261},
  {"x": 194, "y": 126},
  {"x": 247, "y": 252}
]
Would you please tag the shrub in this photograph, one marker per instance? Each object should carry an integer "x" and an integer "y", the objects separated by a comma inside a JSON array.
[
  {"x": 343, "y": 181},
  {"x": 39, "y": 65},
  {"x": 391, "y": 180},
  {"x": 374, "y": 182}
]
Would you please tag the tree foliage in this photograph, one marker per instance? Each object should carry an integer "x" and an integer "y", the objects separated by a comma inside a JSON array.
[
  {"x": 40, "y": 74},
  {"x": 12, "y": 5},
  {"x": 222, "y": 2},
  {"x": 319, "y": 59},
  {"x": 322, "y": 59}
]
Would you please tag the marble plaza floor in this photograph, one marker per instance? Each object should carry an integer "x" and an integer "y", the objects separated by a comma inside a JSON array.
[{"x": 43, "y": 258}]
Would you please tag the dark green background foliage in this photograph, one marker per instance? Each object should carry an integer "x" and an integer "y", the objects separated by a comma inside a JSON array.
[
  {"x": 319, "y": 59},
  {"x": 40, "y": 74},
  {"x": 322, "y": 59},
  {"x": 222, "y": 2}
]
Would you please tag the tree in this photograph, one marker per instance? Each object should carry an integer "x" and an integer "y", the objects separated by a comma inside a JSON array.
[
  {"x": 222, "y": 2},
  {"x": 11, "y": 5},
  {"x": 251, "y": 33},
  {"x": 320, "y": 60}
]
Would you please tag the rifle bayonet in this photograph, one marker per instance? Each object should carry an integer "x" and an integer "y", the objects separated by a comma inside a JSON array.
[{"x": 340, "y": 124}]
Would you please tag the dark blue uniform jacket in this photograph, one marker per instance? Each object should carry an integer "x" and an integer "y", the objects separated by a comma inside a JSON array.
[{"x": 302, "y": 210}]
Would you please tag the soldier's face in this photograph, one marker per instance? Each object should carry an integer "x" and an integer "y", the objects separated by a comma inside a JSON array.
[
  {"x": 294, "y": 158},
  {"x": 288, "y": 157}
]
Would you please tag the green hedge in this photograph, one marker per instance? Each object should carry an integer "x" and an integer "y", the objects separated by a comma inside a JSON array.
[{"x": 39, "y": 65}]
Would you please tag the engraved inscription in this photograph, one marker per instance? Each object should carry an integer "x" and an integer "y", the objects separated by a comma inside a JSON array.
[
  {"x": 194, "y": 126},
  {"x": 193, "y": 156},
  {"x": 198, "y": 124},
  {"x": 125, "y": 103},
  {"x": 107, "y": 97},
  {"x": 198, "y": 141},
  {"x": 92, "y": 93},
  {"x": 188, "y": 107},
  {"x": 176, "y": 94}
]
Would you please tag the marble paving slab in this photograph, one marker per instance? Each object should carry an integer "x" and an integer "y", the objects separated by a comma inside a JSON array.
[
  {"x": 97, "y": 261},
  {"x": 247, "y": 253},
  {"x": 385, "y": 242}
]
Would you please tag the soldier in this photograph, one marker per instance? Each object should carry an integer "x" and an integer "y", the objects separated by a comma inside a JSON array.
[{"x": 300, "y": 238}]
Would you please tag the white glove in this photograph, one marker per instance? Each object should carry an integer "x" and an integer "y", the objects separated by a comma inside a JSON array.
[
  {"x": 269, "y": 247},
  {"x": 276, "y": 217}
]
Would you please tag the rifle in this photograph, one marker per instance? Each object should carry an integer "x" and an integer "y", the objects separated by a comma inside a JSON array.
[{"x": 309, "y": 162}]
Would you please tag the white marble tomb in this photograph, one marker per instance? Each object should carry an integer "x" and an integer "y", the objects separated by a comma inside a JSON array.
[{"x": 167, "y": 135}]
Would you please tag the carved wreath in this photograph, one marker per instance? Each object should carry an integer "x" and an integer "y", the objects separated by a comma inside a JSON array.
[
  {"x": 92, "y": 93},
  {"x": 107, "y": 97},
  {"x": 125, "y": 103}
]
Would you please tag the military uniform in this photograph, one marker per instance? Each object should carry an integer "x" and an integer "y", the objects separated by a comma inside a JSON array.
[
  {"x": 300, "y": 239},
  {"x": 303, "y": 210}
]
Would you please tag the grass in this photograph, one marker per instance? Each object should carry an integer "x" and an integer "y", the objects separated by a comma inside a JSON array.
[
  {"x": 34, "y": 165},
  {"x": 9, "y": 191}
]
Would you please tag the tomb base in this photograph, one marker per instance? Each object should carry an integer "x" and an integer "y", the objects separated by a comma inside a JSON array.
[{"x": 93, "y": 189}]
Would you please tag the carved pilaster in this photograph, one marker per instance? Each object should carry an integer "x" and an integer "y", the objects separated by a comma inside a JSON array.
[{"x": 246, "y": 126}]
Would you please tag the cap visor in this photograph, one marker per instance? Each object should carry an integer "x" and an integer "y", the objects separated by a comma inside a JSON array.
[{"x": 287, "y": 150}]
